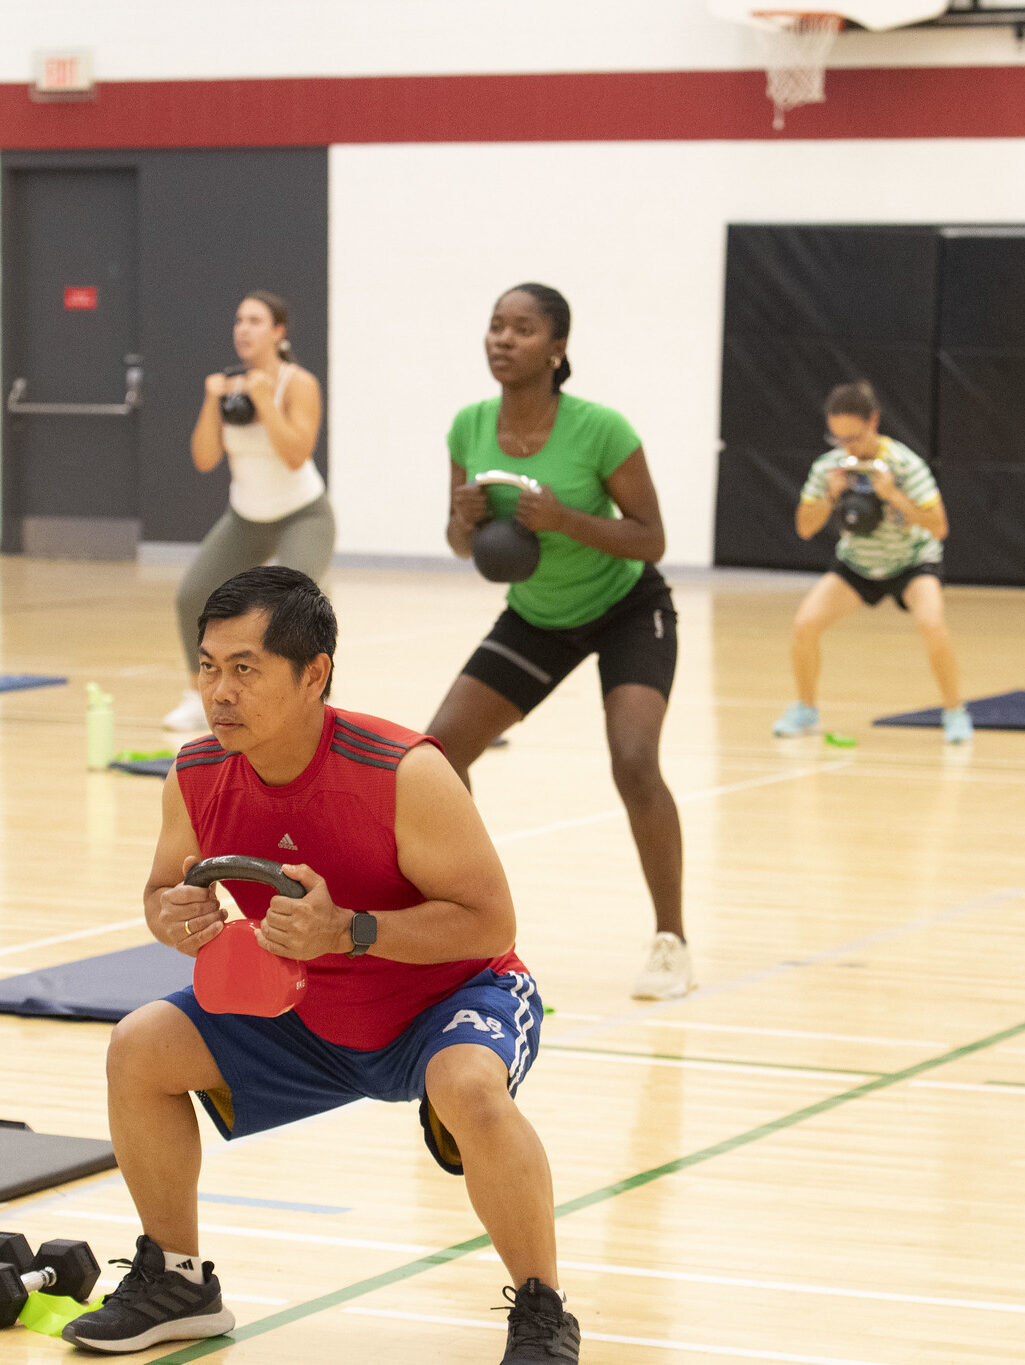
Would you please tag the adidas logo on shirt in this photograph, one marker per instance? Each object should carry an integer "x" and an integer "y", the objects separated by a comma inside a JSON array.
[{"x": 286, "y": 841}]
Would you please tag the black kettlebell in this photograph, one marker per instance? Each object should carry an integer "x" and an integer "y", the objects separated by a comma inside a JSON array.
[
  {"x": 236, "y": 407},
  {"x": 859, "y": 511},
  {"x": 505, "y": 551}
]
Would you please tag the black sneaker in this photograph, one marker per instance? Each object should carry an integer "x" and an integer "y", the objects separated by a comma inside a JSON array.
[
  {"x": 150, "y": 1305},
  {"x": 539, "y": 1327}
]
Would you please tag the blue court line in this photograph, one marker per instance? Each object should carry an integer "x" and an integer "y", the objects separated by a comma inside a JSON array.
[{"x": 271, "y": 1204}]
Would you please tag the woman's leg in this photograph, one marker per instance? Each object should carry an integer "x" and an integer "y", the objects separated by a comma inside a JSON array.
[
  {"x": 469, "y": 718},
  {"x": 633, "y": 725},
  {"x": 231, "y": 545},
  {"x": 306, "y": 540},
  {"x": 924, "y": 599},
  {"x": 830, "y": 600}
]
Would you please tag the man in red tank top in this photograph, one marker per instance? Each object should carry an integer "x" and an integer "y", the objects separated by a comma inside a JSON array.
[{"x": 407, "y": 934}]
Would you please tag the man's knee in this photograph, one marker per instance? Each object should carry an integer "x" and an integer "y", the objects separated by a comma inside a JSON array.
[
  {"x": 468, "y": 1086},
  {"x": 159, "y": 1046}
]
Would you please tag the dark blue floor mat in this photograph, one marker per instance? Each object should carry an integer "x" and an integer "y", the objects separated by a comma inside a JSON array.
[
  {"x": 149, "y": 767},
  {"x": 1005, "y": 711},
  {"x": 105, "y": 988},
  {"x": 13, "y": 682}
]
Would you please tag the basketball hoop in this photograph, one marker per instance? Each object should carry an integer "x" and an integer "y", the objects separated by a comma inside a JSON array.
[{"x": 797, "y": 43}]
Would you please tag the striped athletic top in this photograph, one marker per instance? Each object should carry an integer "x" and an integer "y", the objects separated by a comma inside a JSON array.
[{"x": 894, "y": 545}]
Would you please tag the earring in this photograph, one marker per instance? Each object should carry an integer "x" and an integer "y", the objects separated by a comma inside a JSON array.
[{"x": 556, "y": 362}]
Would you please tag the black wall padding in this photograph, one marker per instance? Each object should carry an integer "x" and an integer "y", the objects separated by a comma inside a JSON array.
[
  {"x": 772, "y": 392},
  {"x": 980, "y": 379},
  {"x": 867, "y": 283},
  {"x": 981, "y": 406},
  {"x": 758, "y": 490},
  {"x": 807, "y": 308},
  {"x": 986, "y": 508}
]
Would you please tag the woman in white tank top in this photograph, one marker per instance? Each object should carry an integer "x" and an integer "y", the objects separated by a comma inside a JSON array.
[{"x": 277, "y": 503}]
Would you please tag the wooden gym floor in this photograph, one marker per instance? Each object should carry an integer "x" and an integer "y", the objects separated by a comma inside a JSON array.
[{"x": 814, "y": 1158}]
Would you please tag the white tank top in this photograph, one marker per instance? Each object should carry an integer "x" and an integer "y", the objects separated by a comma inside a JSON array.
[{"x": 263, "y": 488}]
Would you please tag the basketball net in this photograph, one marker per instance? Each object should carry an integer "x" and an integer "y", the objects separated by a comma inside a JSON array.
[{"x": 797, "y": 44}]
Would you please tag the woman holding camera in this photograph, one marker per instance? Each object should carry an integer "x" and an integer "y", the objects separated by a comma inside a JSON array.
[
  {"x": 898, "y": 552},
  {"x": 266, "y": 418}
]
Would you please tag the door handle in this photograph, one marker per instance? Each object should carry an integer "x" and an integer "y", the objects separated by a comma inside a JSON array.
[{"x": 132, "y": 399}]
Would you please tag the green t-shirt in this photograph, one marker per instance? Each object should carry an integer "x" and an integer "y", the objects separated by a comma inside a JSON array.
[
  {"x": 894, "y": 545},
  {"x": 572, "y": 583}
]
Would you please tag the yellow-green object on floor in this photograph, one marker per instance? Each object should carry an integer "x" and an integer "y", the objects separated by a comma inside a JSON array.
[
  {"x": 49, "y": 1314},
  {"x": 840, "y": 741}
]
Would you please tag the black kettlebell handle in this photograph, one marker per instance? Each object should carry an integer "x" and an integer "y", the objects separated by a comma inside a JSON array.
[
  {"x": 522, "y": 481},
  {"x": 239, "y": 867}
]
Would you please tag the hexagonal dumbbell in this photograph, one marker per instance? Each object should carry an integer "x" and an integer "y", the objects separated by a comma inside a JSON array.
[{"x": 58, "y": 1267}]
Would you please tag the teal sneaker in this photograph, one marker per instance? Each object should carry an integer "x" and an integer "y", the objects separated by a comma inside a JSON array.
[
  {"x": 957, "y": 726},
  {"x": 798, "y": 719}
]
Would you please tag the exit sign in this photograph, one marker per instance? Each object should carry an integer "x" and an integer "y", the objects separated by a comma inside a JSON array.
[
  {"x": 81, "y": 296},
  {"x": 63, "y": 76}
]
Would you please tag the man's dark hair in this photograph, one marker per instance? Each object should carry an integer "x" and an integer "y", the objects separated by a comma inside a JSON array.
[
  {"x": 554, "y": 307},
  {"x": 852, "y": 400},
  {"x": 301, "y": 622}
]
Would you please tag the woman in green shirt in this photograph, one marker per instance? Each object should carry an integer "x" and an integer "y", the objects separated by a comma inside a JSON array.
[{"x": 595, "y": 590}]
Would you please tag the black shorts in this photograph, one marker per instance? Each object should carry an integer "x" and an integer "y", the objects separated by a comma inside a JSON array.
[
  {"x": 873, "y": 590},
  {"x": 635, "y": 641}
]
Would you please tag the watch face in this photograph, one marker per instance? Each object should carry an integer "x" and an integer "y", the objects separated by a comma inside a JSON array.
[{"x": 363, "y": 930}]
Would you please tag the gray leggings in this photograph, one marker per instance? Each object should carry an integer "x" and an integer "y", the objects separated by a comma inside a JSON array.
[{"x": 305, "y": 540}]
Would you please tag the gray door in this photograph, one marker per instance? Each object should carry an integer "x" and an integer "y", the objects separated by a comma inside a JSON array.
[{"x": 72, "y": 374}]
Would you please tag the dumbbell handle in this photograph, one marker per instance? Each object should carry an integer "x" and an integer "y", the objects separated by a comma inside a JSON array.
[
  {"x": 503, "y": 476},
  {"x": 41, "y": 1278},
  {"x": 239, "y": 867}
]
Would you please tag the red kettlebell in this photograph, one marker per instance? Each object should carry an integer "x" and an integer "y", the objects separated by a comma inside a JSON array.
[{"x": 233, "y": 974}]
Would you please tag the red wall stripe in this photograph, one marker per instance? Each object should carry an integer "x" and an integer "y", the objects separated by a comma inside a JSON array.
[{"x": 910, "y": 102}]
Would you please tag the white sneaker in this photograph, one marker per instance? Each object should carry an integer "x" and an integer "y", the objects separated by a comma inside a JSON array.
[
  {"x": 667, "y": 973},
  {"x": 188, "y": 714}
]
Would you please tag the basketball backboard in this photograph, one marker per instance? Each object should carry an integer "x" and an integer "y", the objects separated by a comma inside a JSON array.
[{"x": 871, "y": 14}]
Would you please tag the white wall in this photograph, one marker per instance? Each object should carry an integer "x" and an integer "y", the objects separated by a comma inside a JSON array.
[{"x": 194, "y": 39}]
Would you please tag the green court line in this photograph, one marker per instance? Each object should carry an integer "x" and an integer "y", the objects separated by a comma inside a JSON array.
[
  {"x": 584, "y": 1201},
  {"x": 716, "y": 1061}
]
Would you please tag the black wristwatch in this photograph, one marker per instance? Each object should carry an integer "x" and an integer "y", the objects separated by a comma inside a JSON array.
[{"x": 363, "y": 932}]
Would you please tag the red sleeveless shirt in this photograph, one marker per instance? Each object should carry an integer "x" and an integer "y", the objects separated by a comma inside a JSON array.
[{"x": 338, "y": 817}]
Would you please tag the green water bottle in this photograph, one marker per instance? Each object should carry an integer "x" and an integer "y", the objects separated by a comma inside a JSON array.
[{"x": 99, "y": 727}]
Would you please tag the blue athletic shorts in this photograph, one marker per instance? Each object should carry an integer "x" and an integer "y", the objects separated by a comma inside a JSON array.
[{"x": 277, "y": 1070}]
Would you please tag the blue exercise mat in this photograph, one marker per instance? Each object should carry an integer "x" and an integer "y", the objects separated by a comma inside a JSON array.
[
  {"x": 149, "y": 767},
  {"x": 1005, "y": 711},
  {"x": 105, "y": 988},
  {"x": 38, "y": 1161},
  {"x": 13, "y": 682}
]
